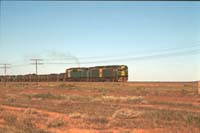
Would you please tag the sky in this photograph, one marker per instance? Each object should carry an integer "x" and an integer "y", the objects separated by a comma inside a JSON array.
[{"x": 158, "y": 41}]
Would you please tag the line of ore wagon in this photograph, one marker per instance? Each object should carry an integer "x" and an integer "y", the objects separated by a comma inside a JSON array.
[{"x": 114, "y": 73}]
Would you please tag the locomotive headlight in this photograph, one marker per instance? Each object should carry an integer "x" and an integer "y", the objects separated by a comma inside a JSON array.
[{"x": 123, "y": 73}]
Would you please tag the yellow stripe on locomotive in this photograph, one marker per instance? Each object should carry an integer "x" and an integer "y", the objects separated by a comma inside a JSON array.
[
  {"x": 123, "y": 73},
  {"x": 100, "y": 72}
]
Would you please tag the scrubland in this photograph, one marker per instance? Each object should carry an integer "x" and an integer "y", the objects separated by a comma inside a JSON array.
[{"x": 75, "y": 107}]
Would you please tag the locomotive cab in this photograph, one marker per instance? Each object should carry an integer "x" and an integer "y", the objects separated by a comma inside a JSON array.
[{"x": 123, "y": 73}]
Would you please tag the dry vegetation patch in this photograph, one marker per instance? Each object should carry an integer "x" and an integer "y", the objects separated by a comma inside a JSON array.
[
  {"x": 67, "y": 86},
  {"x": 77, "y": 115},
  {"x": 125, "y": 113},
  {"x": 48, "y": 96},
  {"x": 135, "y": 99},
  {"x": 56, "y": 122},
  {"x": 98, "y": 106},
  {"x": 60, "y": 97},
  {"x": 172, "y": 118},
  {"x": 11, "y": 98},
  {"x": 20, "y": 122},
  {"x": 96, "y": 122}
]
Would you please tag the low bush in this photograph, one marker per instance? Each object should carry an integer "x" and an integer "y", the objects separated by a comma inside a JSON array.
[
  {"x": 126, "y": 114},
  {"x": 55, "y": 122}
]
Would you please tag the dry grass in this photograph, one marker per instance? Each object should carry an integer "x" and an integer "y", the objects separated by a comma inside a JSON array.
[
  {"x": 11, "y": 98},
  {"x": 20, "y": 123},
  {"x": 48, "y": 96},
  {"x": 135, "y": 99},
  {"x": 96, "y": 122},
  {"x": 67, "y": 86},
  {"x": 1, "y": 109},
  {"x": 99, "y": 106},
  {"x": 125, "y": 113},
  {"x": 168, "y": 117},
  {"x": 76, "y": 115},
  {"x": 56, "y": 122},
  {"x": 8, "y": 117}
]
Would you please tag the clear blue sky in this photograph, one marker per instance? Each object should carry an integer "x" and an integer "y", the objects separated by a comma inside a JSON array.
[{"x": 107, "y": 30}]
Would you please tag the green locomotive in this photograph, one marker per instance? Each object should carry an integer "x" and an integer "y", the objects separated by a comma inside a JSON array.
[{"x": 114, "y": 73}]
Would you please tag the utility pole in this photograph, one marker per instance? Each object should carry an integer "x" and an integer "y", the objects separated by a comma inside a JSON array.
[
  {"x": 5, "y": 67},
  {"x": 198, "y": 82},
  {"x": 36, "y": 62}
]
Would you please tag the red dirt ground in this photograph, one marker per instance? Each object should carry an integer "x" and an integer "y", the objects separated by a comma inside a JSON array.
[{"x": 95, "y": 108}]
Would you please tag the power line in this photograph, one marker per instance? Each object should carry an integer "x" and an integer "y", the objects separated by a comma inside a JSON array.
[
  {"x": 5, "y": 67},
  {"x": 21, "y": 65},
  {"x": 88, "y": 60},
  {"x": 157, "y": 55},
  {"x": 128, "y": 54},
  {"x": 36, "y": 63},
  {"x": 193, "y": 49}
]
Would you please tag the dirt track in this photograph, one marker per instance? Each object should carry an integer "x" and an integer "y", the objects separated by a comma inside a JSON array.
[{"x": 99, "y": 107}]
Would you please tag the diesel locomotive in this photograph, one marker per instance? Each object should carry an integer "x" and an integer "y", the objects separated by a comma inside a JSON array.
[{"x": 114, "y": 73}]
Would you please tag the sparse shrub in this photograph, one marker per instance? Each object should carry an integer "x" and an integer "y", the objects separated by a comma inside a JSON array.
[
  {"x": 62, "y": 86},
  {"x": 99, "y": 119},
  {"x": 76, "y": 115},
  {"x": 30, "y": 111},
  {"x": 169, "y": 116},
  {"x": 19, "y": 124},
  {"x": 11, "y": 98},
  {"x": 138, "y": 88},
  {"x": 25, "y": 121},
  {"x": 56, "y": 122},
  {"x": 157, "y": 93},
  {"x": 66, "y": 97},
  {"x": 67, "y": 86},
  {"x": 183, "y": 91},
  {"x": 134, "y": 99},
  {"x": 29, "y": 97},
  {"x": 71, "y": 85},
  {"x": 144, "y": 102},
  {"x": 48, "y": 96},
  {"x": 26, "y": 124},
  {"x": 192, "y": 119},
  {"x": 10, "y": 118},
  {"x": 79, "y": 98},
  {"x": 165, "y": 115},
  {"x": 102, "y": 90},
  {"x": 1, "y": 109},
  {"x": 126, "y": 114}
]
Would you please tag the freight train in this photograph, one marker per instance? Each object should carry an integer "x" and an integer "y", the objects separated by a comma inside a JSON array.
[{"x": 114, "y": 73}]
